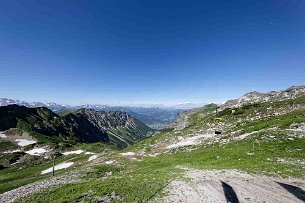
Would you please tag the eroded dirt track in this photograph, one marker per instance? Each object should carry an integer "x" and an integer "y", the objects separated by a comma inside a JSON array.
[
  {"x": 233, "y": 186},
  {"x": 36, "y": 187}
]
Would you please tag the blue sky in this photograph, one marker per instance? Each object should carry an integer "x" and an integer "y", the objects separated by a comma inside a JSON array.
[{"x": 151, "y": 52}]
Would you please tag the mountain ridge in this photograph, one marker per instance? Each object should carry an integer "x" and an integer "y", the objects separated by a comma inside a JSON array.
[
  {"x": 85, "y": 125},
  {"x": 154, "y": 117},
  {"x": 253, "y": 97},
  {"x": 258, "y": 139},
  {"x": 292, "y": 92}
]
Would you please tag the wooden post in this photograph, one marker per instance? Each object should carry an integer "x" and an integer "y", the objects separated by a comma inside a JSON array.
[{"x": 53, "y": 170}]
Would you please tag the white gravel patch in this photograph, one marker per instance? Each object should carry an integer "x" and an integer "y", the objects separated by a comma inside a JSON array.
[
  {"x": 36, "y": 151},
  {"x": 13, "y": 151},
  {"x": 128, "y": 154},
  {"x": 24, "y": 142},
  {"x": 2, "y": 135},
  {"x": 188, "y": 141},
  {"x": 73, "y": 152},
  {"x": 110, "y": 162},
  {"x": 58, "y": 167},
  {"x": 243, "y": 136},
  {"x": 153, "y": 155},
  {"x": 89, "y": 153},
  {"x": 92, "y": 157}
]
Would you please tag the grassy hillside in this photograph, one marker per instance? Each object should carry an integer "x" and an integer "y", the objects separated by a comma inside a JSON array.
[
  {"x": 139, "y": 181},
  {"x": 255, "y": 138}
]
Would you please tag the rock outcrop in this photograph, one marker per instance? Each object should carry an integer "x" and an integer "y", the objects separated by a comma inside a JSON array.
[{"x": 254, "y": 97}]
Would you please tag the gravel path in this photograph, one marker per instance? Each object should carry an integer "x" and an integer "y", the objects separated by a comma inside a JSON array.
[
  {"x": 188, "y": 141},
  {"x": 36, "y": 187},
  {"x": 233, "y": 186}
]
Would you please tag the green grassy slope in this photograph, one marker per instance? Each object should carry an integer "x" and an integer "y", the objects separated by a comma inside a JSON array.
[
  {"x": 138, "y": 181},
  {"x": 280, "y": 152}
]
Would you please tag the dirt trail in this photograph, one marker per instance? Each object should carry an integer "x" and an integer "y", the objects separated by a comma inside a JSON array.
[{"x": 233, "y": 186}]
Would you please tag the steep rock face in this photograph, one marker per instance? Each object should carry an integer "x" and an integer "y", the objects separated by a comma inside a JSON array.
[
  {"x": 182, "y": 120},
  {"x": 118, "y": 126},
  {"x": 86, "y": 125},
  {"x": 254, "y": 97}
]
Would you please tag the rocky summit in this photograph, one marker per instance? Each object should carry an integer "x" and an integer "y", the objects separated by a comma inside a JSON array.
[{"x": 254, "y": 97}]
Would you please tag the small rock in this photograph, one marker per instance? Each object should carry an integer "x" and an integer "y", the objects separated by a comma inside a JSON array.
[
  {"x": 103, "y": 199},
  {"x": 113, "y": 196}
]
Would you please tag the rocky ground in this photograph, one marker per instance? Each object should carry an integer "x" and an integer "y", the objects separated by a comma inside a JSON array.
[
  {"x": 36, "y": 187},
  {"x": 232, "y": 186}
]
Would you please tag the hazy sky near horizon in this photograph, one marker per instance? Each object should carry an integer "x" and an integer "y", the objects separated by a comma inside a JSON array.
[{"x": 153, "y": 52}]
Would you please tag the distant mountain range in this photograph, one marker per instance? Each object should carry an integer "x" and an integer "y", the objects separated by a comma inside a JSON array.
[
  {"x": 152, "y": 115},
  {"x": 84, "y": 125},
  {"x": 182, "y": 106},
  {"x": 56, "y": 108}
]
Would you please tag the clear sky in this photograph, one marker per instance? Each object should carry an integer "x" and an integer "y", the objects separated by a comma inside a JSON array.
[{"x": 149, "y": 51}]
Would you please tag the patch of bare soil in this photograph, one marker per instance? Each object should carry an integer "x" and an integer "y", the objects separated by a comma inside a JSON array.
[{"x": 233, "y": 186}]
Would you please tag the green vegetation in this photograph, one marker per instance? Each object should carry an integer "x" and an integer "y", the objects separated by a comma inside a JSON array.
[
  {"x": 11, "y": 179},
  {"x": 280, "y": 152},
  {"x": 138, "y": 181},
  {"x": 283, "y": 121},
  {"x": 235, "y": 156},
  {"x": 266, "y": 114},
  {"x": 102, "y": 170},
  {"x": 41, "y": 139},
  {"x": 96, "y": 147},
  {"x": 66, "y": 112},
  {"x": 8, "y": 159},
  {"x": 6, "y": 145},
  {"x": 29, "y": 171}
]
